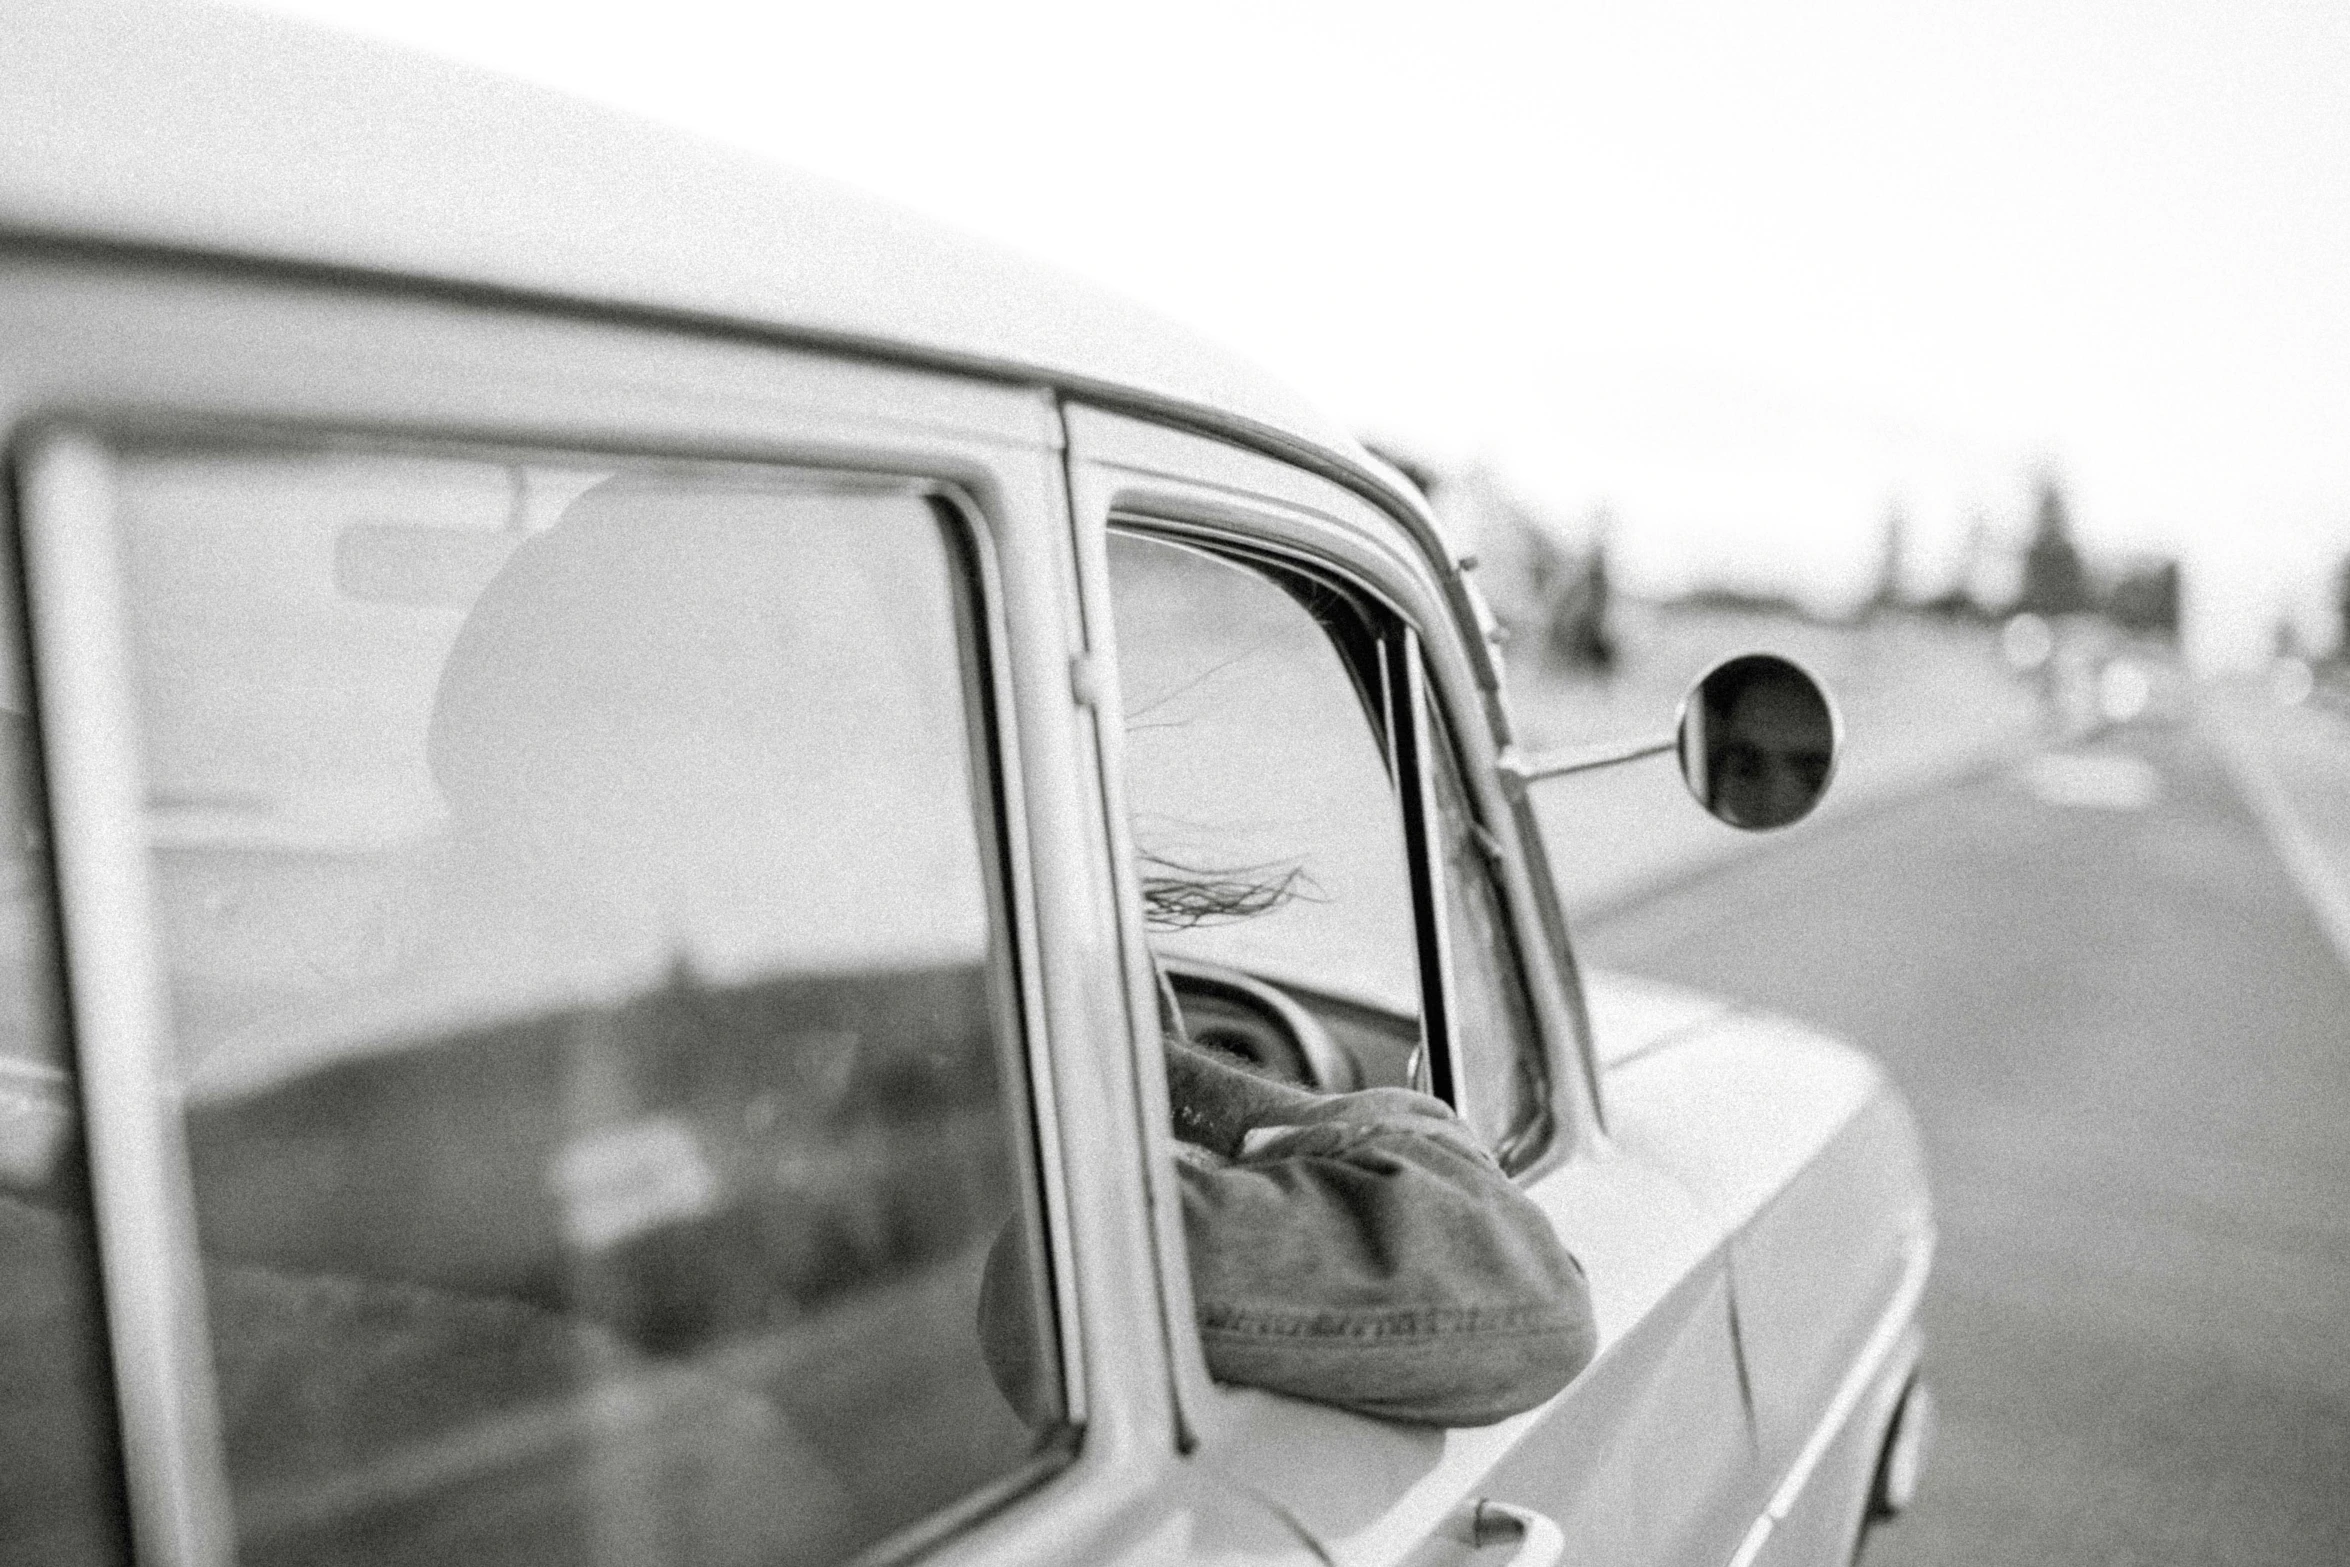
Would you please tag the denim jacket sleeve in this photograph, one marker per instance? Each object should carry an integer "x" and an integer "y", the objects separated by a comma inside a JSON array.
[{"x": 1368, "y": 1252}]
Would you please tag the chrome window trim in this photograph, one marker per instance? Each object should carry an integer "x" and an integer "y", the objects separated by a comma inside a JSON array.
[
  {"x": 1894, "y": 1325},
  {"x": 141, "y": 1197},
  {"x": 1045, "y": 1182},
  {"x": 1423, "y": 835},
  {"x": 1095, "y": 688}
]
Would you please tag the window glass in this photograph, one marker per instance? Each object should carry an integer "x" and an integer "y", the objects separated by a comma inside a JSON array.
[
  {"x": 1265, "y": 813},
  {"x": 600, "y": 1053},
  {"x": 60, "y": 1492},
  {"x": 1502, "y": 1080}
]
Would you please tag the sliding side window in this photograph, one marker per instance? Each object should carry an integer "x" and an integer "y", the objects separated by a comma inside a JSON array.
[
  {"x": 1320, "y": 893},
  {"x": 582, "y": 891},
  {"x": 1262, "y": 773}
]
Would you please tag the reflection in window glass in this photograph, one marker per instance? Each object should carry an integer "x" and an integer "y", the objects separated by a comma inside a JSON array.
[
  {"x": 1262, "y": 803},
  {"x": 60, "y": 1494},
  {"x": 1502, "y": 1081},
  {"x": 600, "y": 1054}
]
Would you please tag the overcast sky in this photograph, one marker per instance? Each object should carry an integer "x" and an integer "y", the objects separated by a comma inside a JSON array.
[{"x": 1746, "y": 275}]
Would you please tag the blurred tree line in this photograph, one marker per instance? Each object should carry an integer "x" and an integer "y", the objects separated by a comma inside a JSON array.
[
  {"x": 2141, "y": 594},
  {"x": 1548, "y": 582},
  {"x": 2342, "y": 612}
]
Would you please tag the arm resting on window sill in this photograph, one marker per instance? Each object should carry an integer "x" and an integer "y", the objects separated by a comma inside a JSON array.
[
  {"x": 1356, "y": 1249},
  {"x": 1363, "y": 1250}
]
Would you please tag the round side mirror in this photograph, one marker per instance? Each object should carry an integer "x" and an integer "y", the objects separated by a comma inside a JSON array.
[{"x": 1758, "y": 741}]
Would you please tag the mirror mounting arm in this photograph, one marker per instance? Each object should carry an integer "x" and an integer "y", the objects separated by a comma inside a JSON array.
[
  {"x": 1757, "y": 738},
  {"x": 1519, "y": 771}
]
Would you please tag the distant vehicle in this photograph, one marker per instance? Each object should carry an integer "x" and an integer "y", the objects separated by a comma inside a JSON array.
[
  {"x": 2090, "y": 674},
  {"x": 410, "y": 1154}
]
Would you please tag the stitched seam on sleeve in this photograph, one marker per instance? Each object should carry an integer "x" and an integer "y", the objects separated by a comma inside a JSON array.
[{"x": 1508, "y": 1322}]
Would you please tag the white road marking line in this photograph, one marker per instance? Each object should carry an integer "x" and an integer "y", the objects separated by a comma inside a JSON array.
[{"x": 2321, "y": 886}]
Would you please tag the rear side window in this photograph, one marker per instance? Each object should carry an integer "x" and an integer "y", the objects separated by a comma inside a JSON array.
[{"x": 582, "y": 889}]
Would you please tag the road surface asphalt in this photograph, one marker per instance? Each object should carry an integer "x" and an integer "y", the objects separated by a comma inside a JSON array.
[{"x": 2127, "y": 1039}]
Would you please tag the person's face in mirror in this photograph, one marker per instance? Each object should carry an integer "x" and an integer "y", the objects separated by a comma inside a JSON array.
[{"x": 1768, "y": 752}]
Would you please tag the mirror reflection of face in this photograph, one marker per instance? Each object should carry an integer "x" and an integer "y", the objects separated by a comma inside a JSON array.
[{"x": 1769, "y": 744}]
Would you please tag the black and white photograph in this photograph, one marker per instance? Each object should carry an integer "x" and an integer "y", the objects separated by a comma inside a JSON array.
[{"x": 1230, "y": 785}]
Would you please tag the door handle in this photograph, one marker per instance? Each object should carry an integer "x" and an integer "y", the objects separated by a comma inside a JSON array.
[{"x": 1540, "y": 1542}]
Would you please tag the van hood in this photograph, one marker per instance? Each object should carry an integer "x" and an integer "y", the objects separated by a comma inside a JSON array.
[{"x": 1631, "y": 1016}]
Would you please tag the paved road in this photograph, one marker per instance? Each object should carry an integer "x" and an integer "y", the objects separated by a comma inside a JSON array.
[{"x": 2128, "y": 1040}]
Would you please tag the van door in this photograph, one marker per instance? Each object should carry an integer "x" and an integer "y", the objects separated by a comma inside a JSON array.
[{"x": 1299, "y": 737}]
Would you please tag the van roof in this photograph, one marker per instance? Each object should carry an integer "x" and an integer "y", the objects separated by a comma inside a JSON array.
[
  {"x": 227, "y": 134},
  {"x": 195, "y": 130}
]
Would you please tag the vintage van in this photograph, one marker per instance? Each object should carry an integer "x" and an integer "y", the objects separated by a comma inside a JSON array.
[{"x": 597, "y": 737}]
